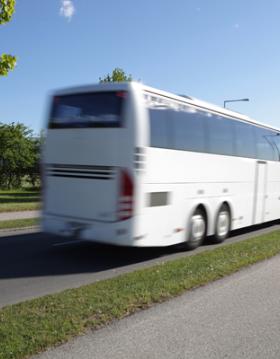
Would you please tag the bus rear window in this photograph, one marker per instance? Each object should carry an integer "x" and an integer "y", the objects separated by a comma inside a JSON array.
[{"x": 97, "y": 109}]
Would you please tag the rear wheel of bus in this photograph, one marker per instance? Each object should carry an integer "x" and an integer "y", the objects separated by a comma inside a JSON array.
[
  {"x": 196, "y": 229},
  {"x": 222, "y": 225}
]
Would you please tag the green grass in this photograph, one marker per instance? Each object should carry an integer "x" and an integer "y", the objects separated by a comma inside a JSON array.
[
  {"x": 19, "y": 200},
  {"x": 30, "y": 327},
  {"x": 19, "y": 223}
]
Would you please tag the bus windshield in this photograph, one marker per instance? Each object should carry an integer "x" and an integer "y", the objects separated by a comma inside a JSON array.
[{"x": 97, "y": 109}]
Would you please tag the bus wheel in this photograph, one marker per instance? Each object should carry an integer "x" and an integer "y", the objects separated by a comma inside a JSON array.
[
  {"x": 197, "y": 230},
  {"x": 222, "y": 226}
]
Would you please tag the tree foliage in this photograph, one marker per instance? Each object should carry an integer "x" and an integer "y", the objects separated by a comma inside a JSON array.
[
  {"x": 7, "y": 8},
  {"x": 7, "y": 62},
  {"x": 118, "y": 75},
  {"x": 19, "y": 155}
]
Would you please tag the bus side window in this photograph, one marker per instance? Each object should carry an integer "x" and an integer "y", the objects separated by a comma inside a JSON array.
[
  {"x": 159, "y": 134},
  {"x": 189, "y": 131},
  {"x": 245, "y": 140},
  {"x": 264, "y": 142},
  {"x": 220, "y": 135},
  {"x": 276, "y": 141}
]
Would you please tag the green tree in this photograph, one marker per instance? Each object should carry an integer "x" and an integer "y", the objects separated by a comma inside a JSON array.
[
  {"x": 7, "y": 61},
  {"x": 33, "y": 171},
  {"x": 18, "y": 153},
  {"x": 118, "y": 75}
]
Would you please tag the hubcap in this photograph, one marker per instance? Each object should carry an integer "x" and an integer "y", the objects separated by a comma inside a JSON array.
[
  {"x": 198, "y": 227},
  {"x": 223, "y": 224}
]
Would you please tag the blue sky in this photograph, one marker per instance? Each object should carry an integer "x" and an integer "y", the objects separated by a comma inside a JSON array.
[{"x": 212, "y": 50}]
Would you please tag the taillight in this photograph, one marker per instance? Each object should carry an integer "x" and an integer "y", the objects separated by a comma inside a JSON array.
[{"x": 125, "y": 205}]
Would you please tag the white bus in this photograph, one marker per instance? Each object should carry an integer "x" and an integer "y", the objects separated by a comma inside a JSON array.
[{"x": 131, "y": 165}]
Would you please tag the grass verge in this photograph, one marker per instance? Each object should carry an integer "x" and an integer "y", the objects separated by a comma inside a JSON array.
[
  {"x": 19, "y": 200},
  {"x": 30, "y": 327},
  {"x": 19, "y": 223}
]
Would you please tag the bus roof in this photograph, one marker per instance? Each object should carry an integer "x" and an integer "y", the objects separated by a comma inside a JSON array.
[
  {"x": 207, "y": 106},
  {"x": 126, "y": 86}
]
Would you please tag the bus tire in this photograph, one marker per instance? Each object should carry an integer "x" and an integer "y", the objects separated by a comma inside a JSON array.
[
  {"x": 197, "y": 230},
  {"x": 222, "y": 224}
]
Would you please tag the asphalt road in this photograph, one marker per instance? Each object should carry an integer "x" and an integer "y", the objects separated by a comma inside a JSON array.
[
  {"x": 236, "y": 317},
  {"x": 32, "y": 264}
]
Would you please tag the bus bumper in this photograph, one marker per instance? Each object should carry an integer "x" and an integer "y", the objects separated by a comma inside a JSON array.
[{"x": 117, "y": 233}]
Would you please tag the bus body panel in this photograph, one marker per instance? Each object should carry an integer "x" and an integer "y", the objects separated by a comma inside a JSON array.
[
  {"x": 87, "y": 182},
  {"x": 165, "y": 173},
  {"x": 272, "y": 193}
]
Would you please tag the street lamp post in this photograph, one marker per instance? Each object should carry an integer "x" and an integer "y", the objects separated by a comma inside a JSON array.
[{"x": 241, "y": 99}]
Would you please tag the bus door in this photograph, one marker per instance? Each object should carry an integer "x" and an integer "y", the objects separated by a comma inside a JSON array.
[{"x": 260, "y": 192}]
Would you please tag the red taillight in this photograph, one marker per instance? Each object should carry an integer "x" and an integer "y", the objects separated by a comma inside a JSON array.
[
  {"x": 125, "y": 205},
  {"x": 121, "y": 94}
]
